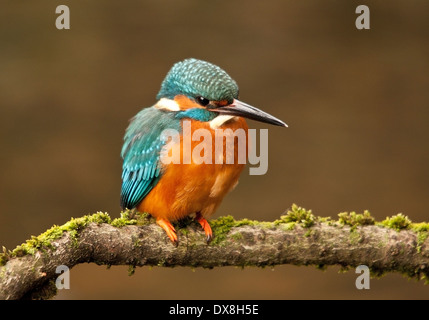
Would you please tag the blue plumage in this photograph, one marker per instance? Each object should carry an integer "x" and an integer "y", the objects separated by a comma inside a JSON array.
[
  {"x": 193, "y": 78},
  {"x": 142, "y": 145},
  {"x": 197, "y": 114}
]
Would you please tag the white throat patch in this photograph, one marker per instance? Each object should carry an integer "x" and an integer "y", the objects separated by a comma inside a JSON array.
[
  {"x": 220, "y": 120},
  {"x": 167, "y": 104}
]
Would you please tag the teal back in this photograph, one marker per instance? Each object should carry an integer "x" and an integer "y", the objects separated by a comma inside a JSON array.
[{"x": 142, "y": 144}]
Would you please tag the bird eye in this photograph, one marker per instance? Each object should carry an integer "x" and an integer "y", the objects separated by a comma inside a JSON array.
[{"x": 203, "y": 101}]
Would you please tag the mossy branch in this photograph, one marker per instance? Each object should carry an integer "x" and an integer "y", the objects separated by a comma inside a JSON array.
[{"x": 298, "y": 237}]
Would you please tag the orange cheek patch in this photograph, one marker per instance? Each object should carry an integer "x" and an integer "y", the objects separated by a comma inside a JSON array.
[
  {"x": 186, "y": 103},
  {"x": 222, "y": 103}
]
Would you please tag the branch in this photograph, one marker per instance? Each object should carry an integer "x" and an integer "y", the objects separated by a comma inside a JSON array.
[{"x": 299, "y": 238}]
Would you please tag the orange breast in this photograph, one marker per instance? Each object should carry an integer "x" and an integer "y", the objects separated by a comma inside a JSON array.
[{"x": 189, "y": 188}]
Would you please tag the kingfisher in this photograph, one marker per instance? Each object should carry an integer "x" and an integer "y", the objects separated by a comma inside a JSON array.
[{"x": 205, "y": 96}]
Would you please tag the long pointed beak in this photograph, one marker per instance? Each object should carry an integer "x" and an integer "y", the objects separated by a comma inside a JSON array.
[{"x": 241, "y": 109}]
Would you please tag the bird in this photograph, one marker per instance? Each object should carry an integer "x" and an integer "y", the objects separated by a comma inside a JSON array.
[{"x": 205, "y": 96}]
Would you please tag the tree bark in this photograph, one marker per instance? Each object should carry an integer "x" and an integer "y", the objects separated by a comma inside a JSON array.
[{"x": 381, "y": 249}]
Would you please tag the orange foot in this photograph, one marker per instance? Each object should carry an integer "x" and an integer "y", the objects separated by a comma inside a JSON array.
[
  {"x": 206, "y": 227},
  {"x": 169, "y": 229}
]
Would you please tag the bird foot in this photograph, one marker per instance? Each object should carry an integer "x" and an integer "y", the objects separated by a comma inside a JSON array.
[
  {"x": 169, "y": 229},
  {"x": 205, "y": 225}
]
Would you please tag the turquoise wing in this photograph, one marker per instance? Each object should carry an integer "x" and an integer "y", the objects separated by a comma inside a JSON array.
[{"x": 143, "y": 142}]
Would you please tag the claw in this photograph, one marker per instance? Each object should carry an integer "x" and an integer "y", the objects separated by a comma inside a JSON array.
[
  {"x": 206, "y": 227},
  {"x": 169, "y": 229}
]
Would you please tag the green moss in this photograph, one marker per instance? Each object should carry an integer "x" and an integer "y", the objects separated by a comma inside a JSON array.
[
  {"x": 183, "y": 231},
  {"x": 143, "y": 218},
  {"x": 237, "y": 236},
  {"x": 354, "y": 237},
  {"x": 288, "y": 226},
  {"x": 397, "y": 222},
  {"x": 161, "y": 263},
  {"x": 299, "y": 215},
  {"x": 265, "y": 224},
  {"x": 44, "y": 240},
  {"x": 4, "y": 256},
  {"x": 354, "y": 219},
  {"x": 221, "y": 227},
  {"x": 246, "y": 222},
  {"x": 124, "y": 220},
  {"x": 422, "y": 230},
  {"x": 344, "y": 269},
  {"x": 326, "y": 220},
  {"x": 73, "y": 227},
  {"x": 420, "y": 227},
  {"x": 3, "y": 259},
  {"x": 80, "y": 223},
  {"x": 131, "y": 270},
  {"x": 421, "y": 238}
]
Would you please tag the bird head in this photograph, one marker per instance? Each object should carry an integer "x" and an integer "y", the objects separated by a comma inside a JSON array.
[{"x": 199, "y": 88}]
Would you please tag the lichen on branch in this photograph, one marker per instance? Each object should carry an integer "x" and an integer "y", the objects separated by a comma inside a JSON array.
[{"x": 298, "y": 237}]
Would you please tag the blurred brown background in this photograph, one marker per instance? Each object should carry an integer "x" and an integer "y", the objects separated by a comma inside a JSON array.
[{"x": 357, "y": 105}]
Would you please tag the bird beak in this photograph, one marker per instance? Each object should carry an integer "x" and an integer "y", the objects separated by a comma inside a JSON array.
[{"x": 241, "y": 109}]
